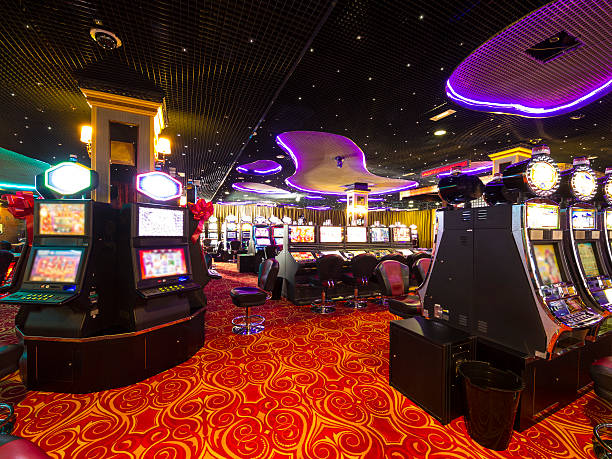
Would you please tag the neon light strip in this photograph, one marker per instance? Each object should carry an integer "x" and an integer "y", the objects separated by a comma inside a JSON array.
[
  {"x": 523, "y": 109},
  {"x": 246, "y": 189},
  {"x": 335, "y": 193},
  {"x": 245, "y": 170},
  {"x": 17, "y": 186},
  {"x": 476, "y": 170}
]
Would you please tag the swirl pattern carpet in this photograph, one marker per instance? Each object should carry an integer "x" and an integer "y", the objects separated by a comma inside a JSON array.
[{"x": 309, "y": 386}]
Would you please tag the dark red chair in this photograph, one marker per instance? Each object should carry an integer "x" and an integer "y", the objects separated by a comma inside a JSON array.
[
  {"x": 395, "y": 256},
  {"x": 395, "y": 281},
  {"x": 422, "y": 268},
  {"x": 362, "y": 271},
  {"x": 248, "y": 297},
  {"x": 601, "y": 373},
  {"x": 11, "y": 446},
  {"x": 329, "y": 273}
]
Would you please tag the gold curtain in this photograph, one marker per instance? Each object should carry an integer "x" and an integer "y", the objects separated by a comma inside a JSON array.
[{"x": 423, "y": 219}]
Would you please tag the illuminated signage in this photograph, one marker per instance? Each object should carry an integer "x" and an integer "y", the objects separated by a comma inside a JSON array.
[
  {"x": 447, "y": 168},
  {"x": 69, "y": 178},
  {"x": 583, "y": 183},
  {"x": 543, "y": 177},
  {"x": 158, "y": 186}
]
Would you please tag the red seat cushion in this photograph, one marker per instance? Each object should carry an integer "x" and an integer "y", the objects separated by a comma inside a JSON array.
[
  {"x": 405, "y": 306},
  {"x": 19, "y": 448}
]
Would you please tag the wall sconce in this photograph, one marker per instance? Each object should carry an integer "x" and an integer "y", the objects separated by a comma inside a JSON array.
[
  {"x": 86, "y": 133},
  {"x": 162, "y": 147}
]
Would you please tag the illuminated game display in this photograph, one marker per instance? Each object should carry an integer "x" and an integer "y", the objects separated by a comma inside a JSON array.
[
  {"x": 262, "y": 241},
  {"x": 542, "y": 175},
  {"x": 159, "y": 221},
  {"x": 59, "y": 219},
  {"x": 583, "y": 219},
  {"x": 331, "y": 252},
  {"x": 261, "y": 232},
  {"x": 401, "y": 234},
  {"x": 379, "y": 234},
  {"x": 356, "y": 234},
  {"x": 55, "y": 265},
  {"x": 162, "y": 263},
  {"x": 302, "y": 234},
  {"x": 302, "y": 257},
  {"x": 546, "y": 261},
  {"x": 545, "y": 216},
  {"x": 330, "y": 234},
  {"x": 278, "y": 232},
  {"x": 587, "y": 258},
  {"x": 583, "y": 183}
]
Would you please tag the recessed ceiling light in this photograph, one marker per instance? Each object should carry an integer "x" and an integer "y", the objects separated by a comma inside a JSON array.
[
  {"x": 444, "y": 114},
  {"x": 227, "y": 192},
  {"x": 577, "y": 117},
  {"x": 440, "y": 132},
  {"x": 280, "y": 156}
]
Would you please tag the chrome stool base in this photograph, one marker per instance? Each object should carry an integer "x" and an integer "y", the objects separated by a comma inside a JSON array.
[
  {"x": 356, "y": 304},
  {"x": 320, "y": 307},
  {"x": 248, "y": 325}
]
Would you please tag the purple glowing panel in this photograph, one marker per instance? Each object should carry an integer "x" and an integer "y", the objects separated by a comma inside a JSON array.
[
  {"x": 311, "y": 196},
  {"x": 500, "y": 76},
  {"x": 475, "y": 168},
  {"x": 316, "y": 165},
  {"x": 261, "y": 167},
  {"x": 260, "y": 188},
  {"x": 318, "y": 207}
]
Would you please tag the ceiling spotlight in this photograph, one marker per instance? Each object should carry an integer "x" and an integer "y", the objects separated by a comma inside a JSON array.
[
  {"x": 280, "y": 156},
  {"x": 444, "y": 114},
  {"x": 440, "y": 132},
  {"x": 577, "y": 117},
  {"x": 105, "y": 39},
  {"x": 227, "y": 192}
]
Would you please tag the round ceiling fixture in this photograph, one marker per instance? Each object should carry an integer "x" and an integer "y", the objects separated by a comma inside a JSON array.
[
  {"x": 440, "y": 132},
  {"x": 105, "y": 39}
]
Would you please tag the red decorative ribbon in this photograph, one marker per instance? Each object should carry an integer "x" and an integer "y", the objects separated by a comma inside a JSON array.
[
  {"x": 21, "y": 206},
  {"x": 201, "y": 211}
]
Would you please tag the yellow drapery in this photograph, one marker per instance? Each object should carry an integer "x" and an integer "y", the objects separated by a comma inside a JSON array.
[{"x": 423, "y": 219}]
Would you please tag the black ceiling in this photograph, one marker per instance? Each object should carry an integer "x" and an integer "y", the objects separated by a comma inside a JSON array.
[{"x": 374, "y": 72}]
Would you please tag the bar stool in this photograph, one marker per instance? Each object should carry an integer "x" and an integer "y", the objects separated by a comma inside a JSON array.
[
  {"x": 329, "y": 271},
  {"x": 247, "y": 297},
  {"x": 362, "y": 269},
  {"x": 395, "y": 278}
]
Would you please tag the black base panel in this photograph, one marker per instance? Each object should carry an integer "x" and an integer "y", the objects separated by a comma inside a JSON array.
[{"x": 106, "y": 362}]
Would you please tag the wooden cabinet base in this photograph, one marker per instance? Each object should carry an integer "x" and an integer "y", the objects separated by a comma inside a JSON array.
[{"x": 82, "y": 365}]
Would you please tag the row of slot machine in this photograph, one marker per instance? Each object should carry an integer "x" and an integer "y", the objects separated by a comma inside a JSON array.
[
  {"x": 93, "y": 269},
  {"x": 541, "y": 254},
  {"x": 302, "y": 245}
]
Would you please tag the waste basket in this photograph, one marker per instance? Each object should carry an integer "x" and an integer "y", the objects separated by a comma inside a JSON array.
[{"x": 492, "y": 397}]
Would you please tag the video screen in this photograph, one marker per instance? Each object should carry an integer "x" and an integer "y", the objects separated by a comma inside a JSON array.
[
  {"x": 162, "y": 263},
  {"x": 262, "y": 241},
  {"x": 587, "y": 259},
  {"x": 302, "y": 256},
  {"x": 278, "y": 241},
  {"x": 302, "y": 234},
  {"x": 61, "y": 219},
  {"x": 548, "y": 266},
  {"x": 262, "y": 232},
  {"x": 332, "y": 252},
  {"x": 55, "y": 265},
  {"x": 330, "y": 234},
  {"x": 379, "y": 234},
  {"x": 542, "y": 216},
  {"x": 278, "y": 231},
  {"x": 609, "y": 219},
  {"x": 231, "y": 234},
  {"x": 157, "y": 221},
  {"x": 356, "y": 234},
  {"x": 401, "y": 234},
  {"x": 583, "y": 219}
]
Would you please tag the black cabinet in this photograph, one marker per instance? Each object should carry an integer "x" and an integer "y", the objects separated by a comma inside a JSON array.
[{"x": 423, "y": 360}]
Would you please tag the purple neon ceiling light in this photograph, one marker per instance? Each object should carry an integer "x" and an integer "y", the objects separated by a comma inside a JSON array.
[
  {"x": 476, "y": 169},
  {"x": 501, "y": 77},
  {"x": 260, "y": 167},
  {"x": 259, "y": 188}
]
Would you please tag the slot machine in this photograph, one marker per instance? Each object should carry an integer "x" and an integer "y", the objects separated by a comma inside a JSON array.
[
  {"x": 605, "y": 218},
  {"x": 213, "y": 231},
  {"x": 277, "y": 234},
  {"x": 297, "y": 263},
  {"x": 157, "y": 277},
  {"x": 330, "y": 241},
  {"x": 380, "y": 239},
  {"x": 502, "y": 272},
  {"x": 261, "y": 236},
  {"x": 356, "y": 241},
  {"x": 582, "y": 240},
  {"x": 68, "y": 287},
  {"x": 230, "y": 230},
  {"x": 246, "y": 229}
]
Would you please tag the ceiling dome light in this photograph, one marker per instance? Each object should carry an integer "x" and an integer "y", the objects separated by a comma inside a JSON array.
[
  {"x": 105, "y": 39},
  {"x": 440, "y": 132}
]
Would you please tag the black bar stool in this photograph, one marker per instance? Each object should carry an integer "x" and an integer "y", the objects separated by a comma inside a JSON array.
[
  {"x": 247, "y": 297},
  {"x": 329, "y": 272},
  {"x": 234, "y": 248},
  {"x": 362, "y": 270}
]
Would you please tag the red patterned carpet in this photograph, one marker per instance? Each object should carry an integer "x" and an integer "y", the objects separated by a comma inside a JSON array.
[{"x": 308, "y": 387}]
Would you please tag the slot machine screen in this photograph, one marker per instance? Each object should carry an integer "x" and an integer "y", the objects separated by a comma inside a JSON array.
[
  {"x": 302, "y": 256},
  {"x": 379, "y": 234},
  {"x": 55, "y": 265},
  {"x": 278, "y": 232},
  {"x": 8, "y": 277},
  {"x": 587, "y": 259},
  {"x": 546, "y": 261},
  {"x": 583, "y": 219},
  {"x": 231, "y": 234},
  {"x": 278, "y": 241},
  {"x": 156, "y": 263},
  {"x": 401, "y": 234},
  {"x": 302, "y": 234},
  {"x": 356, "y": 234},
  {"x": 262, "y": 232},
  {"x": 262, "y": 241},
  {"x": 61, "y": 219},
  {"x": 543, "y": 216},
  {"x": 331, "y": 252},
  {"x": 609, "y": 219},
  {"x": 330, "y": 234},
  {"x": 157, "y": 221}
]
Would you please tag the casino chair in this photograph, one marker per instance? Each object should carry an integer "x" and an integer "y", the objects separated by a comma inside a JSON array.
[
  {"x": 601, "y": 373},
  {"x": 234, "y": 249},
  {"x": 362, "y": 271},
  {"x": 395, "y": 281},
  {"x": 421, "y": 266},
  {"x": 11, "y": 446},
  {"x": 395, "y": 256},
  {"x": 247, "y": 297},
  {"x": 270, "y": 251},
  {"x": 6, "y": 258},
  {"x": 329, "y": 272}
]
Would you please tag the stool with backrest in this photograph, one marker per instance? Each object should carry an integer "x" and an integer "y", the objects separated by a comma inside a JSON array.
[
  {"x": 362, "y": 270},
  {"x": 422, "y": 267},
  {"x": 601, "y": 373},
  {"x": 234, "y": 248},
  {"x": 394, "y": 256},
  {"x": 248, "y": 297},
  {"x": 329, "y": 273},
  {"x": 395, "y": 280}
]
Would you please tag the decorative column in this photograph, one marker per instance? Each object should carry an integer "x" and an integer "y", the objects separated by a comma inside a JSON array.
[{"x": 357, "y": 204}]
